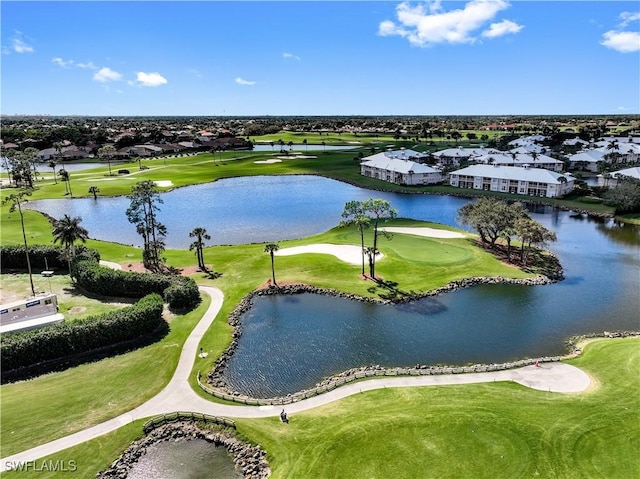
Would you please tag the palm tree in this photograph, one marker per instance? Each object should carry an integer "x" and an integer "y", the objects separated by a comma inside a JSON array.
[
  {"x": 272, "y": 248},
  {"x": 16, "y": 200},
  {"x": 107, "y": 152},
  {"x": 67, "y": 231},
  {"x": 64, "y": 174},
  {"x": 355, "y": 214},
  {"x": 94, "y": 190},
  {"x": 52, "y": 165},
  {"x": 199, "y": 234}
]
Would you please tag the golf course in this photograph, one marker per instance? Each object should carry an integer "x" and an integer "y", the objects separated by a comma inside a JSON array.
[{"x": 491, "y": 430}]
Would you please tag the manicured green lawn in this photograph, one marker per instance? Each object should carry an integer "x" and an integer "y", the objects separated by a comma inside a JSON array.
[
  {"x": 494, "y": 430},
  {"x": 242, "y": 268},
  {"x": 54, "y": 405}
]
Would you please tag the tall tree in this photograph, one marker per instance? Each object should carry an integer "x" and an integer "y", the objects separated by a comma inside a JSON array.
[
  {"x": 94, "y": 190},
  {"x": 200, "y": 234},
  {"x": 15, "y": 200},
  {"x": 271, "y": 248},
  {"x": 531, "y": 233},
  {"x": 107, "y": 152},
  {"x": 52, "y": 164},
  {"x": 142, "y": 212},
  {"x": 378, "y": 209},
  {"x": 67, "y": 231},
  {"x": 32, "y": 157},
  {"x": 66, "y": 177},
  {"x": 354, "y": 214}
]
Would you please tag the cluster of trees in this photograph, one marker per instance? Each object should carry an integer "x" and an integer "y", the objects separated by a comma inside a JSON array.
[
  {"x": 362, "y": 214},
  {"x": 625, "y": 197},
  {"x": 495, "y": 219}
]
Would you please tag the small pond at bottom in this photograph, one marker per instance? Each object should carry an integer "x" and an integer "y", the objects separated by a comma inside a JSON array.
[{"x": 190, "y": 459}]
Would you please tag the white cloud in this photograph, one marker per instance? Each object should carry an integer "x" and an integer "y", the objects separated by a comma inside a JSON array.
[
  {"x": 150, "y": 79},
  {"x": 628, "y": 17},
  {"x": 241, "y": 81},
  {"x": 89, "y": 66},
  {"x": 622, "y": 108},
  {"x": 62, "y": 63},
  {"x": 290, "y": 56},
  {"x": 428, "y": 24},
  {"x": 504, "y": 27},
  {"x": 105, "y": 75},
  {"x": 624, "y": 42},
  {"x": 19, "y": 45}
]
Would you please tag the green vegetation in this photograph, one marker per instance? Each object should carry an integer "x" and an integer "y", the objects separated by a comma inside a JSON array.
[
  {"x": 27, "y": 348},
  {"x": 495, "y": 430},
  {"x": 57, "y": 404}
]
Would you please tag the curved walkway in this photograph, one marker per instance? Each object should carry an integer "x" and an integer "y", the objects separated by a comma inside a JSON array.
[{"x": 178, "y": 395}]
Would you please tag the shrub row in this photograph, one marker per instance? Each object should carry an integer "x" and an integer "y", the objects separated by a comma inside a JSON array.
[
  {"x": 180, "y": 292},
  {"x": 42, "y": 256},
  {"x": 23, "y": 349}
]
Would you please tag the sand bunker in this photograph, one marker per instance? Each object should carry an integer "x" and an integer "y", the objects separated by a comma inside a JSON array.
[
  {"x": 424, "y": 231},
  {"x": 266, "y": 162},
  {"x": 163, "y": 183},
  {"x": 348, "y": 253}
]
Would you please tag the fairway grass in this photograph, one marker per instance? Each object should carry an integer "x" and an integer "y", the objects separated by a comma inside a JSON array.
[{"x": 494, "y": 430}]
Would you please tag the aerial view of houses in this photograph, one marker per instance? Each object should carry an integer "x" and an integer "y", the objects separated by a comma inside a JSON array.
[{"x": 320, "y": 240}]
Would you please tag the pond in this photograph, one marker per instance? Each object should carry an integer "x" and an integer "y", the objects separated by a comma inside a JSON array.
[
  {"x": 191, "y": 459},
  {"x": 244, "y": 210},
  {"x": 320, "y": 336}
]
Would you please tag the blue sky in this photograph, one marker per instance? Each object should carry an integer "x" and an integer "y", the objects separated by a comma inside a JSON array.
[{"x": 479, "y": 57}]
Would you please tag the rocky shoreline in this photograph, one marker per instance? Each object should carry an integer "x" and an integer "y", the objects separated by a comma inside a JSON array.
[
  {"x": 249, "y": 459},
  {"x": 215, "y": 377}
]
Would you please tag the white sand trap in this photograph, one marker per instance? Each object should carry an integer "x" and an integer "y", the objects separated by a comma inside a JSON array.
[
  {"x": 424, "y": 231},
  {"x": 163, "y": 183},
  {"x": 344, "y": 252},
  {"x": 303, "y": 157},
  {"x": 266, "y": 162}
]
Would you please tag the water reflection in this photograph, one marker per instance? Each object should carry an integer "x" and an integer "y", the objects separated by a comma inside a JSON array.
[{"x": 188, "y": 459}]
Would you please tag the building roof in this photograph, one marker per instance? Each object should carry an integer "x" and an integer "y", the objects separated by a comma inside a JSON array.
[
  {"x": 521, "y": 158},
  {"x": 461, "y": 152},
  {"x": 588, "y": 156},
  {"x": 632, "y": 172},
  {"x": 539, "y": 175},
  {"x": 391, "y": 163}
]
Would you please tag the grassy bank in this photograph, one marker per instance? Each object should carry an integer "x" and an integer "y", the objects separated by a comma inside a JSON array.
[
  {"x": 241, "y": 269},
  {"x": 495, "y": 430}
]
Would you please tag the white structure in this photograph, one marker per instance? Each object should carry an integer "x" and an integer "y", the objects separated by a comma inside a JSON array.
[
  {"x": 528, "y": 149},
  {"x": 611, "y": 179},
  {"x": 587, "y": 160},
  {"x": 522, "y": 159},
  {"x": 513, "y": 179},
  {"x": 397, "y": 167},
  {"x": 527, "y": 140},
  {"x": 31, "y": 313},
  {"x": 453, "y": 156}
]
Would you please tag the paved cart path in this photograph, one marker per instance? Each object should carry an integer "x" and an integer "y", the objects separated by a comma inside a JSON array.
[{"x": 178, "y": 395}]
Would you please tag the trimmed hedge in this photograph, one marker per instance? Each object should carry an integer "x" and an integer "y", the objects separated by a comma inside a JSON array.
[
  {"x": 13, "y": 256},
  {"x": 180, "y": 292},
  {"x": 23, "y": 349}
]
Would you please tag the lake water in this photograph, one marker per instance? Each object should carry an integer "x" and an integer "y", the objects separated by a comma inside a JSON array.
[
  {"x": 319, "y": 336},
  {"x": 190, "y": 459},
  {"x": 244, "y": 210}
]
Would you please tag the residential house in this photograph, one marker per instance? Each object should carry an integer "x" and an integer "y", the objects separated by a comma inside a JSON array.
[
  {"x": 513, "y": 179},
  {"x": 453, "y": 156},
  {"x": 587, "y": 160},
  {"x": 513, "y": 159},
  {"x": 611, "y": 179},
  {"x": 398, "y": 167}
]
